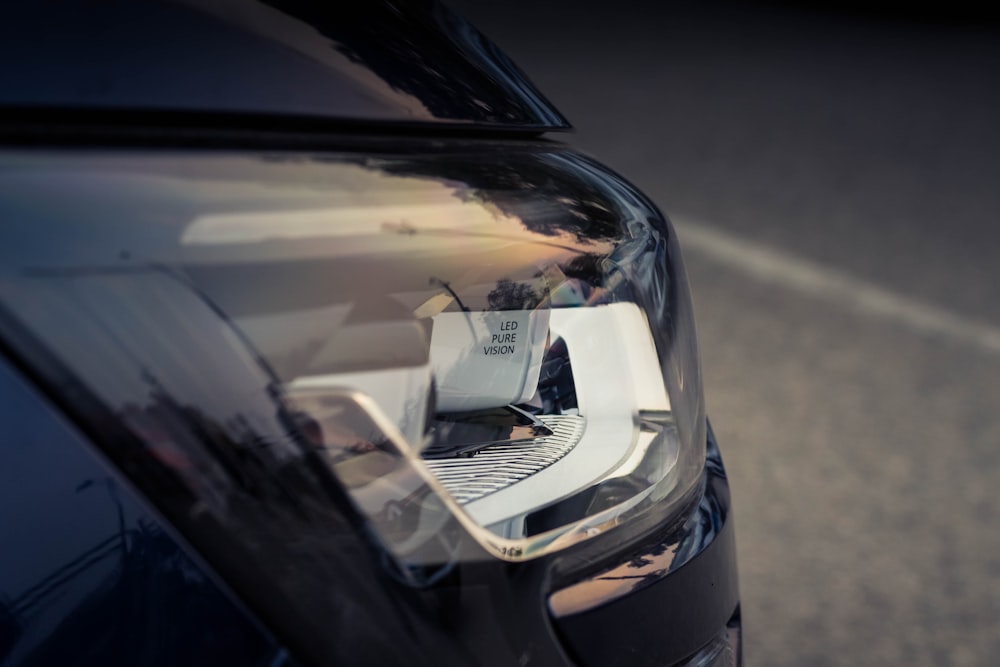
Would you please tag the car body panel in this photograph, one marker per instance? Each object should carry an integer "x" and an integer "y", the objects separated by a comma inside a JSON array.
[
  {"x": 90, "y": 574},
  {"x": 403, "y": 63}
]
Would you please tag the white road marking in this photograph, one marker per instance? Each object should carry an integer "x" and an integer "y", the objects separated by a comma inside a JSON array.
[{"x": 812, "y": 279}]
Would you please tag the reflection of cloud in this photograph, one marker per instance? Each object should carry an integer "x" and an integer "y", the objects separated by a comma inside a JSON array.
[{"x": 341, "y": 221}]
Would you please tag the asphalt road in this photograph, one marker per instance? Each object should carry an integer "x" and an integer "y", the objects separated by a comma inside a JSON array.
[{"x": 835, "y": 180}]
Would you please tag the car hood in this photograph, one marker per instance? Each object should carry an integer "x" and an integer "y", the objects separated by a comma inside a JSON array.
[{"x": 400, "y": 62}]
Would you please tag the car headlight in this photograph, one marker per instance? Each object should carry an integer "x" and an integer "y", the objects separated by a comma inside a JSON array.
[{"x": 497, "y": 340}]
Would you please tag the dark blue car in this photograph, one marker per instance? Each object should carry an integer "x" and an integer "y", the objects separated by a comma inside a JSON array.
[{"x": 315, "y": 348}]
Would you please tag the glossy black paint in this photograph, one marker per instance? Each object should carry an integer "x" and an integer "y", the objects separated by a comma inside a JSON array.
[
  {"x": 390, "y": 62},
  {"x": 88, "y": 574},
  {"x": 669, "y": 599}
]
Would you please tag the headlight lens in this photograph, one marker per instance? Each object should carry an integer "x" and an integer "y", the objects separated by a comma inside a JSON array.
[{"x": 501, "y": 340}]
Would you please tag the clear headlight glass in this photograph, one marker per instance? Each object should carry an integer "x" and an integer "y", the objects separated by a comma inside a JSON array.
[{"x": 501, "y": 339}]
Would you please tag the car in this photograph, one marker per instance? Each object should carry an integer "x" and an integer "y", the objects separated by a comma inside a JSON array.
[{"x": 318, "y": 347}]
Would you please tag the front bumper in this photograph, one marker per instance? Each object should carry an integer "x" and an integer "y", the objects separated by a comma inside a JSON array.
[{"x": 674, "y": 601}]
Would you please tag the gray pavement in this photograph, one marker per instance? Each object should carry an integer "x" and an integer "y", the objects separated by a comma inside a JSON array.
[{"x": 851, "y": 350}]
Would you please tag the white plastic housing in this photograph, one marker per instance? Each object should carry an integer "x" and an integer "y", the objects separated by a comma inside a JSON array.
[{"x": 487, "y": 359}]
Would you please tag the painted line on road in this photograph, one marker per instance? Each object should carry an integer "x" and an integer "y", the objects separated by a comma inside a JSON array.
[{"x": 774, "y": 266}]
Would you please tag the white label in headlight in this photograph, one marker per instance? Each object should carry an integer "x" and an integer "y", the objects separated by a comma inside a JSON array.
[{"x": 487, "y": 359}]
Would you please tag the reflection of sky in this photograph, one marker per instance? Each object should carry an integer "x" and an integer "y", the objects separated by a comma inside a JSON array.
[{"x": 112, "y": 208}]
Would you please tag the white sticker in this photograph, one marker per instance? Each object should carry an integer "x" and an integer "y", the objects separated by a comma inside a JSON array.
[{"x": 487, "y": 359}]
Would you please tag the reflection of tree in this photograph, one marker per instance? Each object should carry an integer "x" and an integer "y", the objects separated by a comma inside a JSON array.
[
  {"x": 548, "y": 201},
  {"x": 255, "y": 488},
  {"x": 646, "y": 559},
  {"x": 230, "y": 464},
  {"x": 509, "y": 295},
  {"x": 651, "y": 566},
  {"x": 588, "y": 268}
]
